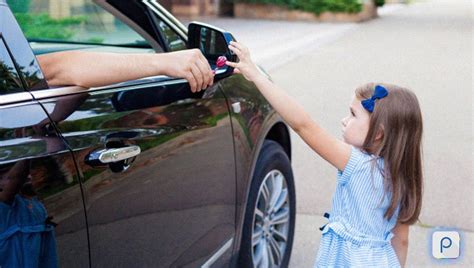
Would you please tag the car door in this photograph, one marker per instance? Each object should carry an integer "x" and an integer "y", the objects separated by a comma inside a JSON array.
[
  {"x": 42, "y": 218},
  {"x": 157, "y": 163}
]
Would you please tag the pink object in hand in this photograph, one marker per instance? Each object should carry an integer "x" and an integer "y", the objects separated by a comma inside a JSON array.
[{"x": 220, "y": 62}]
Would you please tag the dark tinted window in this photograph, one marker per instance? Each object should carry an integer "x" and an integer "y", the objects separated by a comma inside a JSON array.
[{"x": 9, "y": 78}]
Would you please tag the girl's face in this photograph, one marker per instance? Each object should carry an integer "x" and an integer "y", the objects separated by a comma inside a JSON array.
[{"x": 356, "y": 125}]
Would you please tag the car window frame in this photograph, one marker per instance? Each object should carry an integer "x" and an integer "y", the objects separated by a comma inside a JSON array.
[
  {"x": 155, "y": 13},
  {"x": 19, "y": 50},
  {"x": 157, "y": 20},
  {"x": 155, "y": 81},
  {"x": 163, "y": 15},
  {"x": 153, "y": 42}
]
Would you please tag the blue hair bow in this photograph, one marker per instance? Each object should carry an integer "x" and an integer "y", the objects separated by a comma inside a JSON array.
[{"x": 379, "y": 92}]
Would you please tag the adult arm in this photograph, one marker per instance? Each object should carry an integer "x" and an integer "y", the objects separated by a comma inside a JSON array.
[
  {"x": 94, "y": 69},
  {"x": 400, "y": 242}
]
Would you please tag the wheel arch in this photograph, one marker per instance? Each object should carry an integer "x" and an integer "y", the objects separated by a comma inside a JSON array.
[{"x": 279, "y": 132}]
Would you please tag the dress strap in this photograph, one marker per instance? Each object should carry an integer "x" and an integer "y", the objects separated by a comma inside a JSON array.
[
  {"x": 25, "y": 229},
  {"x": 326, "y": 215},
  {"x": 352, "y": 235}
]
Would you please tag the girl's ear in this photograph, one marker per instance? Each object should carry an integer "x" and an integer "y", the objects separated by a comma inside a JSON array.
[{"x": 380, "y": 133}]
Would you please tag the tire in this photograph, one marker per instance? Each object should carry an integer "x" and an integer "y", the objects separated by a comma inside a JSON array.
[{"x": 269, "y": 247}]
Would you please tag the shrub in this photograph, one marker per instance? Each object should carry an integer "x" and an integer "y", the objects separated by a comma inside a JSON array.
[
  {"x": 379, "y": 3},
  {"x": 19, "y": 6},
  {"x": 44, "y": 27},
  {"x": 315, "y": 6}
]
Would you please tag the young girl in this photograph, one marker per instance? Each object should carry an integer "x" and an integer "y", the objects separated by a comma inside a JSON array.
[{"x": 379, "y": 181}]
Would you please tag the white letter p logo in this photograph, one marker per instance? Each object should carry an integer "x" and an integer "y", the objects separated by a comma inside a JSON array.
[{"x": 445, "y": 245}]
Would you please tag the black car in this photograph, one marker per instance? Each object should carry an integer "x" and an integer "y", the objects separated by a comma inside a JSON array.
[{"x": 141, "y": 173}]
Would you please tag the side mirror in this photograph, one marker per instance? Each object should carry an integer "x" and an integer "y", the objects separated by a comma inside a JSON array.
[{"x": 213, "y": 43}]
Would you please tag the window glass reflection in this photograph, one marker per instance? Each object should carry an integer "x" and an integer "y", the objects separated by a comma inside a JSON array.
[
  {"x": 9, "y": 78},
  {"x": 74, "y": 21}
]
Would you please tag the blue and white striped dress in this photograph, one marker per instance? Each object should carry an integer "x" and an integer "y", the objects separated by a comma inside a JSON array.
[{"x": 357, "y": 234}]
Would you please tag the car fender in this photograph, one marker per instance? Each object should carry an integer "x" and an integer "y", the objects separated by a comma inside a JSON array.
[{"x": 253, "y": 121}]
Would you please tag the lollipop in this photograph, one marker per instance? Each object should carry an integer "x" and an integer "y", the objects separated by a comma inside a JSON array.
[{"x": 220, "y": 62}]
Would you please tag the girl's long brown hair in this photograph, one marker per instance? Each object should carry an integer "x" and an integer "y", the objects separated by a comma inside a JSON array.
[{"x": 398, "y": 118}]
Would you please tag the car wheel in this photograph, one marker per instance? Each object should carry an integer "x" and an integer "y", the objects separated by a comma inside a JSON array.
[{"x": 269, "y": 223}]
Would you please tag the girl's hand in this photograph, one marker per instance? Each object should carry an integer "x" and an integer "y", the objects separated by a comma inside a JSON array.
[{"x": 245, "y": 66}]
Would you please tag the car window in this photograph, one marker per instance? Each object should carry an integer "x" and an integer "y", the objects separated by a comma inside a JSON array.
[
  {"x": 172, "y": 39},
  {"x": 9, "y": 79},
  {"x": 72, "y": 21}
]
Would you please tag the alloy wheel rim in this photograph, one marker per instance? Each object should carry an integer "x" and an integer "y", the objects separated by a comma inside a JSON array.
[{"x": 271, "y": 221}]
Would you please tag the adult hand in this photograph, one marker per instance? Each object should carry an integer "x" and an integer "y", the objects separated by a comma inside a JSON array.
[{"x": 188, "y": 64}]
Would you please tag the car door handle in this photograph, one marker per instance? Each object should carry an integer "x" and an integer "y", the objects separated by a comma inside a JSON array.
[{"x": 112, "y": 155}]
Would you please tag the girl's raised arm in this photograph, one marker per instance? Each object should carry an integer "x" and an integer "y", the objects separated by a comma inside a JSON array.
[{"x": 328, "y": 147}]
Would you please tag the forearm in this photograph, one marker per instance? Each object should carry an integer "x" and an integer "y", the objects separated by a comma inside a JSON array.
[
  {"x": 90, "y": 69},
  {"x": 401, "y": 249},
  {"x": 400, "y": 241},
  {"x": 291, "y": 111}
]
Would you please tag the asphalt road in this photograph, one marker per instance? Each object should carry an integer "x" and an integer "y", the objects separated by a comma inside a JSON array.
[{"x": 426, "y": 46}]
